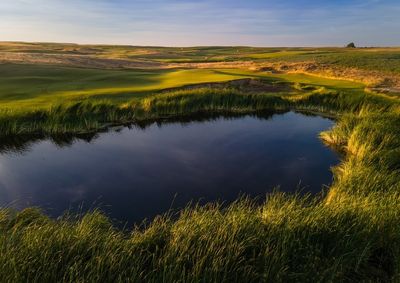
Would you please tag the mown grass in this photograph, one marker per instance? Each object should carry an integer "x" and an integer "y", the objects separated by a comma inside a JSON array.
[
  {"x": 36, "y": 87},
  {"x": 350, "y": 233},
  {"x": 41, "y": 86}
]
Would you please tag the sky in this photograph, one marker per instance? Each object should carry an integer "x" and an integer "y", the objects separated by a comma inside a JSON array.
[{"x": 203, "y": 22}]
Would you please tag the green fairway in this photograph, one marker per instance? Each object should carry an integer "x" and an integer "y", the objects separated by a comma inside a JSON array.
[
  {"x": 41, "y": 86},
  {"x": 26, "y": 87}
]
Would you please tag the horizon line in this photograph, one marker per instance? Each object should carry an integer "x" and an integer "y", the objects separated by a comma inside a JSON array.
[{"x": 189, "y": 46}]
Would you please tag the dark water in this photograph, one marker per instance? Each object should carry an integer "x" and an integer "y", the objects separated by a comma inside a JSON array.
[{"x": 137, "y": 173}]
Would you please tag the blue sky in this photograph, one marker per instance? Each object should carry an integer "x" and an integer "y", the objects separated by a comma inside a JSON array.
[{"x": 203, "y": 22}]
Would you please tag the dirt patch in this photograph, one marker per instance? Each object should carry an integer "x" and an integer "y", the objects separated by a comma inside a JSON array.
[
  {"x": 243, "y": 85},
  {"x": 270, "y": 70}
]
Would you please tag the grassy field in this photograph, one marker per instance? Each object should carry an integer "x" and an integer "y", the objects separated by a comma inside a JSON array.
[
  {"x": 350, "y": 233},
  {"x": 376, "y": 59},
  {"x": 42, "y": 86}
]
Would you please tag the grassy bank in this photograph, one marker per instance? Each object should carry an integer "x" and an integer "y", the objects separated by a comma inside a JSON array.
[
  {"x": 89, "y": 116},
  {"x": 286, "y": 239},
  {"x": 72, "y": 112}
]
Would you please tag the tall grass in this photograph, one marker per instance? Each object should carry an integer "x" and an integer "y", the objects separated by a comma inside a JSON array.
[
  {"x": 89, "y": 116},
  {"x": 286, "y": 239},
  {"x": 93, "y": 115}
]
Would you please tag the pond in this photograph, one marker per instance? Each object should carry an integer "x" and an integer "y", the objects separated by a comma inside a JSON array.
[{"x": 133, "y": 173}]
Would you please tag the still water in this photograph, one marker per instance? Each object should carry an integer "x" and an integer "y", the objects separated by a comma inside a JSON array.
[{"x": 138, "y": 172}]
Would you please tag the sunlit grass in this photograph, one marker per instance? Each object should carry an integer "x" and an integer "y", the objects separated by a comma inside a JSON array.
[
  {"x": 27, "y": 87},
  {"x": 287, "y": 238}
]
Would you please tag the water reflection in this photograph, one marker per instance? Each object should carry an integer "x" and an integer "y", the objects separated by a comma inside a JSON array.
[
  {"x": 138, "y": 171},
  {"x": 22, "y": 143}
]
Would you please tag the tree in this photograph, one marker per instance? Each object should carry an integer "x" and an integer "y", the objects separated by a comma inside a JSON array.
[{"x": 351, "y": 45}]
